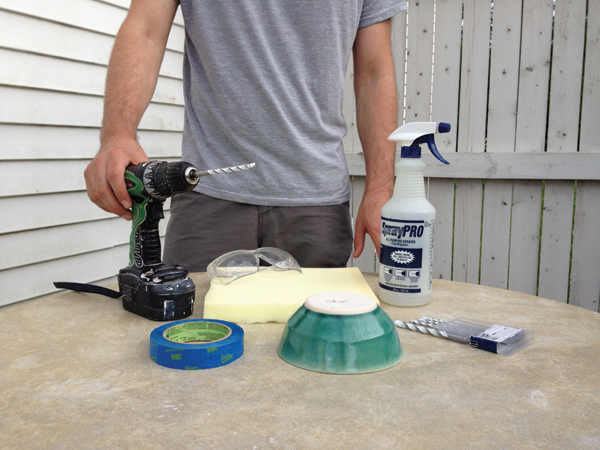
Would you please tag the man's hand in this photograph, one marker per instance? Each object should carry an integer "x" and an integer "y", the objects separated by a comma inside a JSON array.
[
  {"x": 105, "y": 176},
  {"x": 130, "y": 82},
  {"x": 368, "y": 220}
]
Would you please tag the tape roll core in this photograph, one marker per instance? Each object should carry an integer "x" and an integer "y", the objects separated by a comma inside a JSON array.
[
  {"x": 195, "y": 344},
  {"x": 197, "y": 332}
]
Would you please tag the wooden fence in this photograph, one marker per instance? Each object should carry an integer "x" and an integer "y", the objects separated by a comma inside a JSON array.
[
  {"x": 519, "y": 80},
  {"x": 517, "y": 208}
]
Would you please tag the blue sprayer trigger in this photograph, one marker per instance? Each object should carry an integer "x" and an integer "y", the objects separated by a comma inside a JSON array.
[{"x": 430, "y": 141}]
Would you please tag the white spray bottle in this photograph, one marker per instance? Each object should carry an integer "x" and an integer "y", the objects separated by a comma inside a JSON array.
[{"x": 407, "y": 221}]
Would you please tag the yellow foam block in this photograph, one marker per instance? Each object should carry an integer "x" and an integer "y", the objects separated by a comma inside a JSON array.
[{"x": 270, "y": 296}]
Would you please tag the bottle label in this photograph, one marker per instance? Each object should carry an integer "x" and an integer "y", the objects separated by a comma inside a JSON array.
[{"x": 405, "y": 255}]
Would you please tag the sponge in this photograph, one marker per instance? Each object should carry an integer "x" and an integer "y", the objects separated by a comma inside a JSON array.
[{"x": 273, "y": 296}]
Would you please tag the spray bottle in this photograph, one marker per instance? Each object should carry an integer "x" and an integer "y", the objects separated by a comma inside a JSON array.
[{"x": 407, "y": 221}]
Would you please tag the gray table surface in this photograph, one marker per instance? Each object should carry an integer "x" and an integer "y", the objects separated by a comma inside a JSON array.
[{"x": 75, "y": 373}]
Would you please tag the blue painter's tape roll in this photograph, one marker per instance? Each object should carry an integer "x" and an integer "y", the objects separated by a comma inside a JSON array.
[{"x": 196, "y": 344}]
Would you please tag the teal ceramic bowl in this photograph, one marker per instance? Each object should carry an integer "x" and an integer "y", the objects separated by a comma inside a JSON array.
[{"x": 340, "y": 332}]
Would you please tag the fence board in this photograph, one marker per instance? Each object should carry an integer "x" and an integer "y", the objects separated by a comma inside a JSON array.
[
  {"x": 495, "y": 240},
  {"x": 419, "y": 68},
  {"x": 555, "y": 249},
  {"x": 399, "y": 27},
  {"x": 441, "y": 196},
  {"x": 527, "y": 166},
  {"x": 29, "y": 142},
  {"x": 350, "y": 141},
  {"x": 467, "y": 230},
  {"x": 474, "y": 76},
  {"x": 585, "y": 272},
  {"x": 530, "y": 136},
  {"x": 534, "y": 75},
  {"x": 525, "y": 236},
  {"x": 504, "y": 76},
  {"x": 590, "y": 110},
  {"x": 501, "y": 124},
  {"x": 446, "y": 71},
  {"x": 507, "y": 166},
  {"x": 563, "y": 124},
  {"x": 567, "y": 64}
]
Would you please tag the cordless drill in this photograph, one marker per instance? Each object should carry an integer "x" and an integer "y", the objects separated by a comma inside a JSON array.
[{"x": 148, "y": 286}]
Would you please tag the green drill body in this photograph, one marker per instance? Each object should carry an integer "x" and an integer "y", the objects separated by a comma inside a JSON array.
[{"x": 148, "y": 286}]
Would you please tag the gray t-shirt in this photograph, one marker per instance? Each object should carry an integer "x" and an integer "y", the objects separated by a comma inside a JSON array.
[{"x": 264, "y": 83}]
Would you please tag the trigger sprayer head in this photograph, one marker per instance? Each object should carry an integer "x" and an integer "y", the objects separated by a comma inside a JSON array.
[{"x": 411, "y": 135}]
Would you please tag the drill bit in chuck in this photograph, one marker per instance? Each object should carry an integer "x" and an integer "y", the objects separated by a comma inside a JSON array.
[{"x": 197, "y": 174}]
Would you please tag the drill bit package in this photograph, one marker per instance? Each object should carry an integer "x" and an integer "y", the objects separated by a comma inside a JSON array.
[{"x": 492, "y": 338}]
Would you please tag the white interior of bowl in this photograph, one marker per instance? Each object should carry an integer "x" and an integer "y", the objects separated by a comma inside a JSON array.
[{"x": 342, "y": 303}]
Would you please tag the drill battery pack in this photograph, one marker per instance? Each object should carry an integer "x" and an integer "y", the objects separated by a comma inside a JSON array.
[{"x": 163, "y": 293}]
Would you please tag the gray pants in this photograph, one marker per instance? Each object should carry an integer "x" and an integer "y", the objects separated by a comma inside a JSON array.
[{"x": 203, "y": 228}]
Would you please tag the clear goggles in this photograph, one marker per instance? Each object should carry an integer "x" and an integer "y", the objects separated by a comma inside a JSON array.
[{"x": 239, "y": 263}]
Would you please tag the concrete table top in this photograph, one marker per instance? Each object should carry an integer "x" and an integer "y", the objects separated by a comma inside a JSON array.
[{"x": 75, "y": 373}]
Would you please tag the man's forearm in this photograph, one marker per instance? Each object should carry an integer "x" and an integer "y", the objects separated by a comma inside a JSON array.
[
  {"x": 130, "y": 83},
  {"x": 376, "y": 104},
  {"x": 133, "y": 69},
  {"x": 377, "y": 113}
]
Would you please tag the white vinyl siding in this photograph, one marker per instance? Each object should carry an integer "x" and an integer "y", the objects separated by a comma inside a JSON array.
[{"x": 53, "y": 67}]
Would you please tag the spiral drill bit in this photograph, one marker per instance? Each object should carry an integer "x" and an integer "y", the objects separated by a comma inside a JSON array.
[
  {"x": 428, "y": 322},
  {"x": 423, "y": 329},
  {"x": 223, "y": 170}
]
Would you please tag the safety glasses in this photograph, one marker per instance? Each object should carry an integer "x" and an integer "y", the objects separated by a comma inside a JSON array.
[{"x": 239, "y": 263}]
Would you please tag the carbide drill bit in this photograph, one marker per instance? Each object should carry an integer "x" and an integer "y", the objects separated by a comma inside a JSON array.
[
  {"x": 223, "y": 170},
  {"x": 428, "y": 322},
  {"x": 423, "y": 329}
]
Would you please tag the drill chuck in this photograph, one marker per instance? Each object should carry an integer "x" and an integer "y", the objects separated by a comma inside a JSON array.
[
  {"x": 174, "y": 178},
  {"x": 162, "y": 180}
]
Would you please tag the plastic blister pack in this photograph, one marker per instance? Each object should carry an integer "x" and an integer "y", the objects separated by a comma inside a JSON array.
[{"x": 493, "y": 338}]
